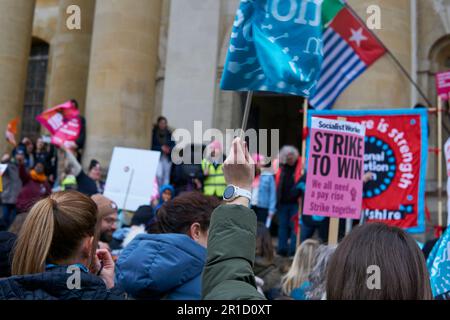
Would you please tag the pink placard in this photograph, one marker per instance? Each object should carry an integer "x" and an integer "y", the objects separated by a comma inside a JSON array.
[
  {"x": 334, "y": 181},
  {"x": 443, "y": 85},
  {"x": 69, "y": 132}
]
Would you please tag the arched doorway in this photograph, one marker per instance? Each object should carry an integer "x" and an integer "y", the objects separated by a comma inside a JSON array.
[{"x": 35, "y": 88}]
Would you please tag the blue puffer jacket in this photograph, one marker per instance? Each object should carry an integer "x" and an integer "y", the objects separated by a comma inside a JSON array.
[
  {"x": 161, "y": 266},
  {"x": 52, "y": 285}
]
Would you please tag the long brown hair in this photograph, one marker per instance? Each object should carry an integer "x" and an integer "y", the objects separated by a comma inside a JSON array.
[
  {"x": 403, "y": 272},
  {"x": 54, "y": 230},
  {"x": 264, "y": 246}
]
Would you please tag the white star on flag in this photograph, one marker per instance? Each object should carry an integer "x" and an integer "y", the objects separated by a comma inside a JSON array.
[{"x": 357, "y": 36}]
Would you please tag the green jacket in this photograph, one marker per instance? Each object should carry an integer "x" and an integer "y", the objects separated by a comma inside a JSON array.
[{"x": 228, "y": 274}]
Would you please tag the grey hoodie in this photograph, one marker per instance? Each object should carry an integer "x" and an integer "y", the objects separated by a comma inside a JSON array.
[{"x": 11, "y": 184}]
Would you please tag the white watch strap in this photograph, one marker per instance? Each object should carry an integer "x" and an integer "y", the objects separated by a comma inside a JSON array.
[{"x": 243, "y": 193}]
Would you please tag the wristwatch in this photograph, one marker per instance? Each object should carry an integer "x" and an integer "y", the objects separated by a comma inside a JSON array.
[{"x": 232, "y": 192}]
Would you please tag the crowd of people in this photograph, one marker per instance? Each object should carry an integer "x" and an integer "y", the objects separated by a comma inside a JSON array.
[{"x": 187, "y": 243}]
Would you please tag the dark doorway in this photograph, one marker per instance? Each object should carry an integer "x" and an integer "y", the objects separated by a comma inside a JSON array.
[
  {"x": 35, "y": 90},
  {"x": 273, "y": 111}
]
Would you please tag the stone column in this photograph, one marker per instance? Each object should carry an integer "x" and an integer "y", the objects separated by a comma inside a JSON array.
[
  {"x": 70, "y": 53},
  {"x": 383, "y": 85},
  {"x": 121, "y": 85},
  {"x": 191, "y": 68},
  {"x": 16, "y": 21}
]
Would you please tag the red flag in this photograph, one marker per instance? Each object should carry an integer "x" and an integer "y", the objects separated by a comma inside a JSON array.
[{"x": 62, "y": 122}]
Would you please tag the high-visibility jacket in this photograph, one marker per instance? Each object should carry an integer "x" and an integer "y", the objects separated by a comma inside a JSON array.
[{"x": 214, "y": 184}]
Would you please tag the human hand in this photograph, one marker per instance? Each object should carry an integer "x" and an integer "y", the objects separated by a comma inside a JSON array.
[
  {"x": 165, "y": 149},
  {"x": 368, "y": 176},
  {"x": 239, "y": 167},
  {"x": 198, "y": 184},
  {"x": 105, "y": 267},
  {"x": 6, "y": 158},
  {"x": 26, "y": 141}
]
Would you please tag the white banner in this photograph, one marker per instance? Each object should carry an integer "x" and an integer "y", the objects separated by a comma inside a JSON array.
[
  {"x": 3, "y": 168},
  {"x": 131, "y": 177}
]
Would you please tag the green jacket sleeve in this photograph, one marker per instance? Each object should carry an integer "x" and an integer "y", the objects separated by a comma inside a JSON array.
[{"x": 228, "y": 273}]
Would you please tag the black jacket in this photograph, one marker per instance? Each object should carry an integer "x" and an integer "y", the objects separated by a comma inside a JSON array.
[
  {"x": 82, "y": 137},
  {"x": 52, "y": 285},
  {"x": 156, "y": 143}
]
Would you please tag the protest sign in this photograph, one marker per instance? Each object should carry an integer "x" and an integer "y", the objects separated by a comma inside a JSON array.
[
  {"x": 3, "y": 168},
  {"x": 62, "y": 122},
  {"x": 131, "y": 177},
  {"x": 443, "y": 85},
  {"x": 396, "y": 152},
  {"x": 334, "y": 179},
  {"x": 68, "y": 133}
]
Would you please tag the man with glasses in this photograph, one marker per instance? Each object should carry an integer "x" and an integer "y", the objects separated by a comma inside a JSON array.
[{"x": 108, "y": 217}]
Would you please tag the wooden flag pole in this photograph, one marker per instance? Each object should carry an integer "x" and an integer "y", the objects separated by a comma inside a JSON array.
[
  {"x": 333, "y": 231},
  {"x": 300, "y": 205},
  {"x": 439, "y": 160}
]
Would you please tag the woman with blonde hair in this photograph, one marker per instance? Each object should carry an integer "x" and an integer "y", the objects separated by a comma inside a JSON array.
[
  {"x": 295, "y": 282},
  {"x": 55, "y": 256}
]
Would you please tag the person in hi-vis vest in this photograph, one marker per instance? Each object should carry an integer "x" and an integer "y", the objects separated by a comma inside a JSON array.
[{"x": 212, "y": 166}]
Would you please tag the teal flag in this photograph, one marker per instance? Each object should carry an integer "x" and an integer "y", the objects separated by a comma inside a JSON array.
[
  {"x": 439, "y": 267},
  {"x": 276, "y": 45}
]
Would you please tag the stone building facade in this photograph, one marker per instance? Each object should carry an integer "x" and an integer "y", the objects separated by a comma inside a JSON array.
[{"x": 134, "y": 60}]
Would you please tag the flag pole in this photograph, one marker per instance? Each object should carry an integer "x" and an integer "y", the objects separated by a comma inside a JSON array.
[
  {"x": 303, "y": 160},
  {"x": 439, "y": 161},
  {"x": 393, "y": 57},
  {"x": 248, "y": 105}
]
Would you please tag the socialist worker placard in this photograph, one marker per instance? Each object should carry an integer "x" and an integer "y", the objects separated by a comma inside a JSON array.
[
  {"x": 396, "y": 150},
  {"x": 334, "y": 180}
]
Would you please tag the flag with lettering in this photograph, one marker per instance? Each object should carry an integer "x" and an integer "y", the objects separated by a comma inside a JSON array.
[
  {"x": 349, "y": 49},
  {"x": 276, "y": 46},
  {"x": 62, "y": 122},
  {"x": 438, "y": 264}
]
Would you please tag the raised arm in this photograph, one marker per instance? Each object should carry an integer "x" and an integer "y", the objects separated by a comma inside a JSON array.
[
  {"x": 72, "y": 161},
  {"x": 23, "y": 173},
  {"x": 228, "y": 273}
]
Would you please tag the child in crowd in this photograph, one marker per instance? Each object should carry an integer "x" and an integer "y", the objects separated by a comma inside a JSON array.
[{"x": 166, "y": 194}]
